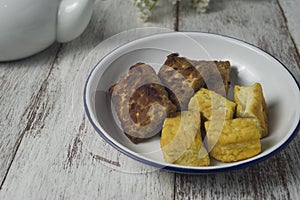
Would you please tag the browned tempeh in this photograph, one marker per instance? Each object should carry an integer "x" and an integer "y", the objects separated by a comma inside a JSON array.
[{"x": 141, "y": 102}]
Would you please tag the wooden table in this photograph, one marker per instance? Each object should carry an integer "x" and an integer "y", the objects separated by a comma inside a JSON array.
[{"x": 49, "y": 150}]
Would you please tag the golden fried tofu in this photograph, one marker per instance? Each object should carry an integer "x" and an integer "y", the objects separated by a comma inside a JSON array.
[
  {"x": 251, "y": 103},
  {"x": 233, "y": 140},
  {"x": 141, "y": 102},
  {"x": 181, "y": 141},
  {"x": 212, "y": 105}
]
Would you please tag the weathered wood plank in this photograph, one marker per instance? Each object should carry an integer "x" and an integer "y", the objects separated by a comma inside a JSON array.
[
  {"x": 266, "y": 30},
  {"x": 290, "y": 9},
  {"x": 269, "y": 180},
  {"x": 61, "y": 156},
  {"x": 18, "y": 95},
  {"x": 260, "y": 23}
]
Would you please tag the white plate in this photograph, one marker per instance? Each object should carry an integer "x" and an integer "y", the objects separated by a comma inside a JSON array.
[{"x": 250, "y": 65}]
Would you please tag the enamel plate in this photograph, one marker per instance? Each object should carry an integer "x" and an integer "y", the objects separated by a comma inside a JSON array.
[{"x": 249, "y": 65}]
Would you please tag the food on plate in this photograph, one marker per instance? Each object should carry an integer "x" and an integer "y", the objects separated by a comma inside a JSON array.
[
  {"x": 181, "y": 140},
  {"x": 184, "y": 77},
  {"x": 212, "y": 105},
  {"x": 236, "y": 139},
  {"x": 181, "y": 78},
  {"x": 251, "y": 103},
  {"x": 141, "y": 102},
  {"x": 216, "y": 75},
  {"x": 176, "y": 100}
]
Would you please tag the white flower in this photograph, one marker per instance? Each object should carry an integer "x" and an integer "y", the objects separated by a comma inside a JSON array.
[
  {"x": 145, "y": 6},
  {"x": 200, "y": 5}
]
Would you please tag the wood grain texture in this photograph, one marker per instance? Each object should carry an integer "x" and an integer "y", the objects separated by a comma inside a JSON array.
[
  {"x": 18, "y": 95},
  {"x": 267, "y": 30},
  {"x": 278, "y": 177},
  {"x": 61, "y": 156},
  {"x": 290, "y": 9},
  {"x": 49, "y": 150}
]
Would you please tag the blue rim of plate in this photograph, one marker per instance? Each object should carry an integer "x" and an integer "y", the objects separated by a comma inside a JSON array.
[{"x": 181, "y": 169}]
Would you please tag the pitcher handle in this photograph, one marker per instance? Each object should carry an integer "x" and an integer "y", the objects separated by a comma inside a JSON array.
[{"x": 73, "y": 18}]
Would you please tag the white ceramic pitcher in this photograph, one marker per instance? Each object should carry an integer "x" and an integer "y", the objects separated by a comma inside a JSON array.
[{"x": 30, "y": 26}]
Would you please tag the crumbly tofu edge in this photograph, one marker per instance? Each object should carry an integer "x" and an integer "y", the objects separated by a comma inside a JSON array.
[
  {"x": 181, "y": 138},
  {"x": 251, "y": 103}
]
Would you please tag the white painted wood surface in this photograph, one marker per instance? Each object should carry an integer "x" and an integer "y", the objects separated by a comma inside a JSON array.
[
  {"x": 260, "y": 23},
  {"x": 49, "y": 150},
  {"x": 290, "y": 8},
  {"x": 60, "y": 155},
  {"x": 20, "y": 85}
]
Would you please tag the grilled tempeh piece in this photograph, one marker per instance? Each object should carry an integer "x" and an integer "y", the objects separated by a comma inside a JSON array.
[
  {"x": 181, "y": 78},
  {"x": 184, "y": 77},
  {"x": 141, "y": 102},
  {"x": 216, "y": 75}
]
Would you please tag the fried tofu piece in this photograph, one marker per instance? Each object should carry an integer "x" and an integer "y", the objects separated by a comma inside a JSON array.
[
  {"x": 195, "y": 155},
  {"x": 141, "y": 102},
  {"x": 212, "y": 105},
  {"x": 184, "y": 77},
  {"x": 233, "y": 140},
  {"x": 181, "y": 140},
  {"x": 251, "y": 103}
]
